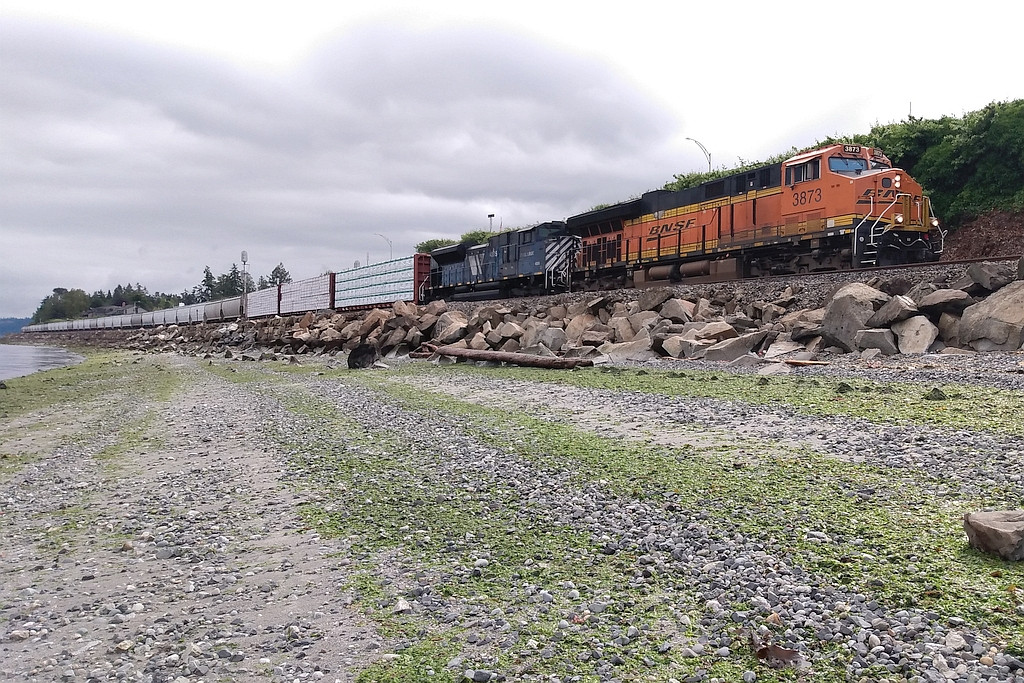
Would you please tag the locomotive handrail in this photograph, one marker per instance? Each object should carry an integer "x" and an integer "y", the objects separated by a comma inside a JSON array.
[
  {"x": 882, "y": 213},
  {"x": 938, "y": 229}
]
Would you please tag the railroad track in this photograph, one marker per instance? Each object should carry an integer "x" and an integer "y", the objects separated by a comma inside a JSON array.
[{"x": 902, "y": 266}]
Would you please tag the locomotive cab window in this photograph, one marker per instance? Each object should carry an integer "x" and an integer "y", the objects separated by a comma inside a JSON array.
[
  {"x": 847, "y": 166},
  {"x": 798, "y": 173}
]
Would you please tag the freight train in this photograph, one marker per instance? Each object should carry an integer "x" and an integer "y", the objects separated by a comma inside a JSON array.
[{"x": 834, "y": 208}]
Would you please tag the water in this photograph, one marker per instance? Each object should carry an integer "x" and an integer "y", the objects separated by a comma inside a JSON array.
[{"x": 18, "y": 361}]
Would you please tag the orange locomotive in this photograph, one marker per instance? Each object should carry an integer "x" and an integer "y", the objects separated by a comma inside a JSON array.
[{"x": 834, "y": 208}]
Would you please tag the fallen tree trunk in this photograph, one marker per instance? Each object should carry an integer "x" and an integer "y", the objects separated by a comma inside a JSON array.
[{"x": 524, "y": 359}]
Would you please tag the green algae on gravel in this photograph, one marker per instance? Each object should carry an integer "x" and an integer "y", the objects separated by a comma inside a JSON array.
[
  {"x": 904, "y": 545},
  {"x": 376, "y": 490},
  {"x": 966, "y": 406},
  {"x": 104, "y": 374}
]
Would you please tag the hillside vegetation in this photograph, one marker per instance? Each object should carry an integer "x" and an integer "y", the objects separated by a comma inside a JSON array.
[{"x": 970, "y": 166}]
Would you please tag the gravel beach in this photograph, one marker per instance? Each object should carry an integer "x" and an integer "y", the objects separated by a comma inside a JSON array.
[{"x": 169, "y": 518}]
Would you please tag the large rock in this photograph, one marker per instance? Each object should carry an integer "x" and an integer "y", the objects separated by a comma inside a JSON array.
[
  {"x": 782, "y": 346},
  {"x": 437, "y": 307},
  {"x": 921, "y": 290},
  {"x": 945, "y": 301},
  {"x": 731, "y": 349},
  {"x": 643, "y": 320},
  {"x": 915, "y": 335},
  {"x": 893, "y": 311},
  {"x": 876, "y": 338},
  {"x": 597, "y": 335},
  {"x": 404, "y": 309},
  {"x": 651, "y": 299},
  {"x": 997, "y": 323},
  {"x": 451, "y": 327},
  {"x": 678, "y": 310},
  {"x": 532, "y": 331},
  {"x": 373, "y": 320},
  {"x": 718, "y": 331},
  {"x": 478, "y": 342},
  {"x": 805, "y": 324},
  {"x": 949, "y": 329},
  {"x": 621, "y": 329},
  {"x": 848, "y": 313},
  {"x": 770, "y": 312},
  {"x": 578, "y": 325},
  {"x": 1000, "y": 532},
  {"x": 554, "y": 338},
  {"x": 509, "y": 330},
  {"x": 992, "y": 276},
  {"x": 674, "y": 345},
  {"x": 640, "y": 349}
]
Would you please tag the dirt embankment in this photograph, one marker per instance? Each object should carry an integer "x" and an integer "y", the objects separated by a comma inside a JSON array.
[{"x": 999, "y": 233}]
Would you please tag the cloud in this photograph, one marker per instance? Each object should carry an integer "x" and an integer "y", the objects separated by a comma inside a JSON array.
[{"x": 155, "y": 162}]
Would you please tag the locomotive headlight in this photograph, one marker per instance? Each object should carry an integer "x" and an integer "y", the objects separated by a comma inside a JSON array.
[
  {"x": 899, "y": 218},
  {"x": 935, "y": 222},
  {"x": 898, "y": 179}
]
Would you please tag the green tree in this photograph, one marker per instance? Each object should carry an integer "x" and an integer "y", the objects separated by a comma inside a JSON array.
[
  {"x": 229, "y": 283},
  {"x": 208, "y": 286},
  {"x": 427, "y": 246},
  {"x": 967, "y": 165},
  {"x": 63, "y": 304},
  {"x": 279, "y": 276},
  {"x": 476, "y": 236}
]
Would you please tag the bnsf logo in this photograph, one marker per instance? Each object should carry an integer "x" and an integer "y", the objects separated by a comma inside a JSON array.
[{"x": 671, "y": 227}]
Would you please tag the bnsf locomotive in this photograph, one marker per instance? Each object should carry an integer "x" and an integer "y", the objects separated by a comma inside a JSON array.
[{"x": 834, "y": 208}]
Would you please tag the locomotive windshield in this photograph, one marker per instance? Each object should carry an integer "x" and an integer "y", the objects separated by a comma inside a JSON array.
[{"x": 844, "y": 165}]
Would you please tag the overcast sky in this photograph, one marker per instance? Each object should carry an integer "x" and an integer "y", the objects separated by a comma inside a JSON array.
[{"x": 140, "y": 142}]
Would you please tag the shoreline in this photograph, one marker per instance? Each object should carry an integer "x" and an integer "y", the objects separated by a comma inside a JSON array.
[{"x": 44, "y": 357}]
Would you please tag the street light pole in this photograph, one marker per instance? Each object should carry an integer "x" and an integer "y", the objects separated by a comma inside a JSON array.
[
  {"x": 245, "y": 286},
  {"x": 703, "y": 149},
  {"x": 391, "y": 250}
]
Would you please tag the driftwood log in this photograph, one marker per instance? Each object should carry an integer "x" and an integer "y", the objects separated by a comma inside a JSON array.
[{"x": 524, "y": 359}]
